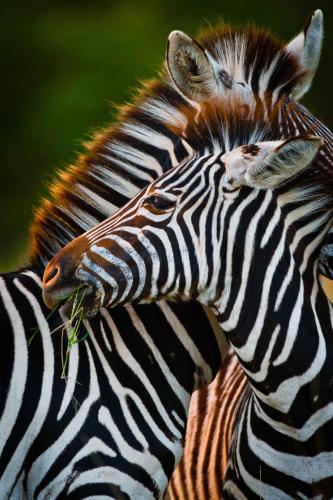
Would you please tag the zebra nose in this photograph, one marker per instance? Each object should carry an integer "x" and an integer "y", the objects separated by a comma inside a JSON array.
[
  {"x": 60, "y": 279},
  {"x": 60, "y": 270},
  {"x": 51, "y": 274}
]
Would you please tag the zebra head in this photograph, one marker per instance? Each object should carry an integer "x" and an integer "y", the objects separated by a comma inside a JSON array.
[
  {"x": 183, "y": 236},
  {"x": 244, "y": 64}
]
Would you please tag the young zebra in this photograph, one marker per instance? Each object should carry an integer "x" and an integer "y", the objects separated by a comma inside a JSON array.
[
  {"x": 240, "y": 232},
  {"x": 118, "y": 163}
]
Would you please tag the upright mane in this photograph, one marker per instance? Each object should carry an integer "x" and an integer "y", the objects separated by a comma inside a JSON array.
[
  {"x": 146, "y": 140},
  {"x": 223, "y": 125},
  {"x": 253, "y": 55}
]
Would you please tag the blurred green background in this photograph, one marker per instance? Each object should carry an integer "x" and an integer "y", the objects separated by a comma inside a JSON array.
[{"x": 64, "y": 62}]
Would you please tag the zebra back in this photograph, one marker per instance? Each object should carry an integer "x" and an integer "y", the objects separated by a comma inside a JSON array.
[{"x": 100, "y": 413}]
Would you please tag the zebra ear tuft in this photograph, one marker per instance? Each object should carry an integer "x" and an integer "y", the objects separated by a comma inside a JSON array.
[
  {"x": 190, "y": 68},
  {"x": 306, "y": 47},
  {"x": 279, "y": 161}
]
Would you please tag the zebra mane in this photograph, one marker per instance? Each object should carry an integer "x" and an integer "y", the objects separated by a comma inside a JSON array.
[
  {"x": 118, "y": 162},
  {"x": 253, "y": 55},
  {"x": 146, "y": 140},
  {"x": 222, "y": 125}
]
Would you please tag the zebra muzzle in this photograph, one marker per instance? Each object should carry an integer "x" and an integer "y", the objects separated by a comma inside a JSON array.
[
  {"x": 63, "y": 287},
  {"x": 81, "y": 300}
]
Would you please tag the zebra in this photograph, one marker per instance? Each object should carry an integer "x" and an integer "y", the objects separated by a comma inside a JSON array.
[
  {"x": 114, "y": 426},
  {"x": 118, "y": 163},
  {"x": 240, "y": 231},
  {"x": 212, "y": 414}
]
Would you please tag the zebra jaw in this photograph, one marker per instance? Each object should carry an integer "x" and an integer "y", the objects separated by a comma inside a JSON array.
[
  {"x": 83, "y": 299},
  {"x": 84, "y": 302}
]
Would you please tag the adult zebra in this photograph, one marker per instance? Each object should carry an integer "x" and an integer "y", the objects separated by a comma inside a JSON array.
[
  {"x": 116, "y": 166},
  {"x": 240, "y": 232}
]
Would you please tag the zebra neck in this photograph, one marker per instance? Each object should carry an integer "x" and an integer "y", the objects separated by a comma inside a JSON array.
[
  {"x": 282, "y": 337},
  {"x": 274, "y": 311},
  {"x": 284, "y": 422}
]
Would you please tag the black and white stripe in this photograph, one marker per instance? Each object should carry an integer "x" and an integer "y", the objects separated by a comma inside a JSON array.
[
  {"x": 251, "y": 254},
  {"x": 111, "y": 429},
  {"x": 118, "y": 165}
]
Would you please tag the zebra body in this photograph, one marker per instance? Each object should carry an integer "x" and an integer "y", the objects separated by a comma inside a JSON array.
[
  {"x": 108, "y": 429},
  {"x": 118, "y": 164},
  {"x": 200, "y": 473}
]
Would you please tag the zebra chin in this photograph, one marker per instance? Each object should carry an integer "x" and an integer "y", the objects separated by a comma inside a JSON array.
[
  {"x": 83, "y": 299},
  {"x": 80, "y": 299}
]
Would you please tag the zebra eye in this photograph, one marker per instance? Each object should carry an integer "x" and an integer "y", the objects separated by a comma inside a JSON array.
[{"x": 159, "y": 202}]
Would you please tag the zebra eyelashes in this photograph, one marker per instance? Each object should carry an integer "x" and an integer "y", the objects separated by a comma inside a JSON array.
[{"x": 159, "y": 203}]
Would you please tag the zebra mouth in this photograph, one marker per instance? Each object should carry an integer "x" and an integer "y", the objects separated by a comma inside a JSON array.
[
  {"x": 82, "y": 300},
  {"x": 82, "y": 303}
]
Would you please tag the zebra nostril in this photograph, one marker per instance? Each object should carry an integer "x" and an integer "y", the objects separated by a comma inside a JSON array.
[{"x": 51, "y": 275}]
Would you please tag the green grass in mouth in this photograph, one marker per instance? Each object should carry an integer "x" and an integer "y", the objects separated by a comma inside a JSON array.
[
  {"x": 69, "y": 328},
  {"x": 72, "y": 325}
]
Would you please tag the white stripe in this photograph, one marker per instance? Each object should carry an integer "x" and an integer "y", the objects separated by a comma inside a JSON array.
[
  {"x": 314, "y": 468},
  {"x": 42, "y": 464},
  {"x": 304, "y": 433},
  {"x": 111, "y": 475},
  {"x": 56, "y": 486},
  {"x": 41, "y": 411},
  {"x": 100, "y": 203},
  {"x": 19, "y": 373}
]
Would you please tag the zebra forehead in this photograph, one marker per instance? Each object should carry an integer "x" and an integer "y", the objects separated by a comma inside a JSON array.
[{"x": 249, "y": 53}]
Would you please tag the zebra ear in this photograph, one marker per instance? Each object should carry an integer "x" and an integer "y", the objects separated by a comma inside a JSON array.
[
  {"x": 306, "y": 48},
  {"x": 278, "y": 162},
  {"x": 191, "y": 69}
]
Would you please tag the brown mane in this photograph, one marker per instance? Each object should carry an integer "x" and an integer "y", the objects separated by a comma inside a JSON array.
[
  {"x": 261, "y": 48},
  {"x": 242, "y": 125},
  {"x": 63, "y": 188}
]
